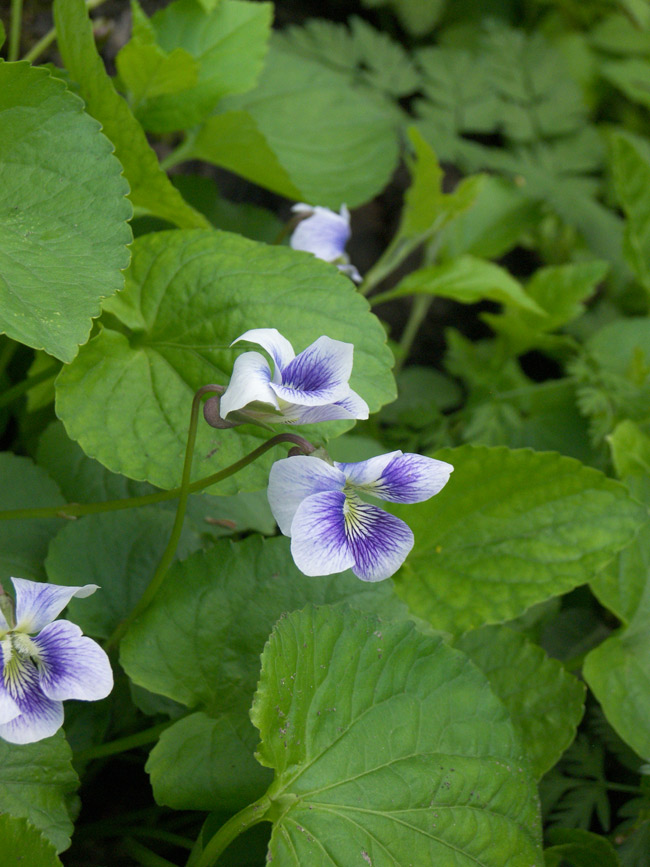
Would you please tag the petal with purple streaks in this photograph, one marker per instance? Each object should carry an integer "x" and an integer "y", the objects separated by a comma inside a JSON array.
[
  {"x": 292, "y": 480},
  {"x": 317, "y": 375},
  {"x": 277, "y": 346},
  {"x": 319, "y": 544},
  {"x": 37, "y": 604},
  {"x": 71, "y": 665}
]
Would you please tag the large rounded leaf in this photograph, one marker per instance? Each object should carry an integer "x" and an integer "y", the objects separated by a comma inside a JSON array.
[
  {"x": 126, "y": 399},
  {"x": 63, "y": 212},
  {"x": 388, "y": 748},
  {"x": 511, "y": 528}
]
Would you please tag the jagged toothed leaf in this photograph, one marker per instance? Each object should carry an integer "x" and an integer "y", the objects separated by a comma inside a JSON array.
[
  {"x": 63, "y": 213},
  {"x": 511, "y": 528},
  {"x": 151, "y": 189},
  {"x": 618, "y": 670},
  {"x": 189, "y": 294},
  {"x": 388, "y": 748},
  {"x": 545, "y": 702},
  {"x": 199, "y": 643},
  {"x": 467, "y": 280},
  {"x": 35, "y": 780},
  {"x": 24, "y": 843}
]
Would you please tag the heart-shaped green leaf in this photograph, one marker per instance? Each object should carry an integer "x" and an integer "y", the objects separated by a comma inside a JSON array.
[
  {"x": 388, "y": 748},
  {"x": 189, "y": 294}
]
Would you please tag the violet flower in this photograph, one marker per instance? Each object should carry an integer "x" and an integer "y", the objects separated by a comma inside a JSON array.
[
  {"x": 43, "y": 662},
  {"x": 325, "y": 234},
  {"x": 298, "y": 389},
  {"x": 332, "y": 529}
]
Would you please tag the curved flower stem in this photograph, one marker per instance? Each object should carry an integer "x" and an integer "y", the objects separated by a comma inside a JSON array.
[
  {"x": 177, "y": 529},
  {"x": 236, "y": 825},
  {"x": 121, "y": 745},
  {"x": 184, "y": 492},
  {"x": 78, "y": 510}
]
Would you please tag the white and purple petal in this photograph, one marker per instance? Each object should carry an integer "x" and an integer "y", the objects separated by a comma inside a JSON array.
[
  {"x": 319, "y": 544},
  {"x": 8, "y": 708},
  {"x": 318, "y": 375},
  {"x": 379, "y": 542},
  {"x": 365, "y": 473},
  {"x": 277, "y": 346},
  {"x": 351, "y": 407},
  {"x": 39, "y": 717},
  {"x": 350, "y": 271},
  {"x": 292, "y": 480},
  {"x": 323, "y": 233},
  {"x": 249, "y": 383},
  {"x": 71, "y": 665},
  {"x": 37, "y": 603}
]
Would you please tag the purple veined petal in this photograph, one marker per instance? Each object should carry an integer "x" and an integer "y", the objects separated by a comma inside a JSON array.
[
  {"x": 277, "y": 346},
  {"x": 410, "y": 478},
  {"x": 380, "y": 542},
  {"x": 37, "y": 604},
  {"x": 318, "y": 375},
  {"x": 351, "y": 407},
  {"x": 319, "y": 544},
  {"x": 249, "y": 382},
  {"x": 292, "y": 480},
  {"x": 71, "y": 665},
  {"x": 39, "y": 717},
  {"x": 365, "y": 473},
  {"x": 323, "y": 233}
]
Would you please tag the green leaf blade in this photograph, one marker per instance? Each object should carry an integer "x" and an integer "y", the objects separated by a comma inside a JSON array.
[
  {"x": 511, "y": 528},
  {"x": 356, "y": 716},
  {"x": 63, "y": 214},
  {"x": 141, "y": 384}
]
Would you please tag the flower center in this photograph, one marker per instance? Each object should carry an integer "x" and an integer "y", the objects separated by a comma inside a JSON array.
[{"x": 21, "y": 658}]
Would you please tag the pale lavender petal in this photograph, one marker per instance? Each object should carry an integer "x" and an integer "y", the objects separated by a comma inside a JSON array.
[
  {"x": 4, "y": 626},
  {"x": 37, "y": 604},
  {"x": 324, "y": 233},
  {"x": 363, "y": 473},
  {"x": 379, "y": 542},
  {"x": 292, "y": 480},
  {"x": 350, "y": 407},
  {"x": 318, "y": 375},
  {"x": 319, "y": 545},
  {"x": 39, "y": 716},
  {"x": 277, "y": 346},
  {"x": 249, "y": 383},
  {"x": 411, "y": 478},
  {"x": 71, "y": 665}
]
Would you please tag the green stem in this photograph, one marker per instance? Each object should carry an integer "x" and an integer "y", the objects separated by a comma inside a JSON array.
[
  {"x": 14, "y": 31},
  {"x": 143, "y": 855},
  {"x": 20, "y": 388},
  {"x": 121, "y": 745},
  {"x": 419, "y": 310},
  {"x": 181, "y": 153},
  {"x": 236, "y": 825},
  {"x": 164, "y": 837},
  {"x": 177, "y": 529},
  {"x": 44, "y": 43},
  {"x": 78, "y": 510}
]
